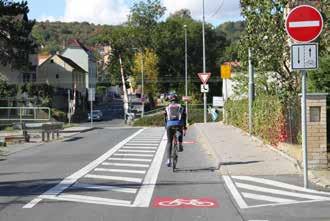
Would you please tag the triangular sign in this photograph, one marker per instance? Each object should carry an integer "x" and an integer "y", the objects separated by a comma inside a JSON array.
[{"x": 204, "y": 77}]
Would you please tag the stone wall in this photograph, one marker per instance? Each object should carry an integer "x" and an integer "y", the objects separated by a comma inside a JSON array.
[{"x": 317, "y": 131}]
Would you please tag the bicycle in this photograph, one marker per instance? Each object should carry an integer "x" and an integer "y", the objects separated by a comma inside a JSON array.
[{"x": 175, "y": 148}]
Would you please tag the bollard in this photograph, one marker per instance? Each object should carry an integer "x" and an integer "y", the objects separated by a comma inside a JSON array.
[
  {"x": 58, "y": 134},
  {"x": 43, "y": 136},
  {"x": 48, "y": 136},
  {"x": 53, "y": 135}
]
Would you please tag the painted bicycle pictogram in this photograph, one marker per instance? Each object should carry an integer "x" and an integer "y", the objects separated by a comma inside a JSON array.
[{"x": 184, "y": 202}]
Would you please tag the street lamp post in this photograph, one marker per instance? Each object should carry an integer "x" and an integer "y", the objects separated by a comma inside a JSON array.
[
  {"x": 204, "y": 62},
  {"x": 186, "y": 69},
  {"x": 142, "y": 89}
]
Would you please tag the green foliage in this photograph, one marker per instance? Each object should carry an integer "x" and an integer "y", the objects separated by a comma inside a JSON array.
[
  {"x": 268, "y": 120},
  {"x": 152, "y": 121},
  {"x": 42, "y": 94},
  {"x": 15, "y": 29},
  {"x": 59, "y": 115},
  {"x": 7, "y": 90},
  {"x": 319, "y": 80},
  {"x": 265, "y": 35}
]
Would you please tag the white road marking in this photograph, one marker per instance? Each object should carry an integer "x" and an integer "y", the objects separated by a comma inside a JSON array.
[
  {"x": 141, "y": 145},
  {"x": 280, "y": 192},
  {"x": 266, "y": 198},
  {"x": 278, "y": 184},
  {"x": 68, "y": 181},
  {"x": 141, "y": 148},
  {"x": 132, "y": 155},
  {"x": 120, "y": 171},
  {"x": 88, "y": 199},
  {"x": 137, "y": 151},
  {"x": 130, "y": 159},
  {"x": 237, "y": 196},
  {"x": 126, "y": 165},
  {"x": 118, "y": 178},
  {"x": 105, "y": 188},
  {"x": 302, "y": 24},
  {"x": 144, "y": 195}
]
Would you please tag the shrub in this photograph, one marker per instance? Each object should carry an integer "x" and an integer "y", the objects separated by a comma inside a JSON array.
[
  {"x": 269, "y": 122},
  {"x": 59, "y": 115}
]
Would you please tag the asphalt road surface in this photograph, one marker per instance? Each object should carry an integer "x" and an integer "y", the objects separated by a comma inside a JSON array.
[{"x": 119, "y": 174}]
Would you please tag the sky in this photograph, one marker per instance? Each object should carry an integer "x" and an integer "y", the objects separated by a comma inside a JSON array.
[{"x": 114, "y": 12}]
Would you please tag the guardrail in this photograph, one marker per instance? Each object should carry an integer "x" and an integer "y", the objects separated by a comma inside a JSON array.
[{"x": 20, "y": 114}]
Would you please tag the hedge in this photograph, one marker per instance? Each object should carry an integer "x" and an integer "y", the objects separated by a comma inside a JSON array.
[{"x": 268, "y": 119}]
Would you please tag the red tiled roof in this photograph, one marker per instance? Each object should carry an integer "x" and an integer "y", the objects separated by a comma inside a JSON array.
[{"x": 75, "y": 43}]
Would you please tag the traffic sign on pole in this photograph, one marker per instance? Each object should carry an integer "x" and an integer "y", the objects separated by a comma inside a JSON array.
[
  {"x": 204, "y": 77},
  {"x": 205, "y": 88},
  {"x": 304, "y": 56},
  {"x": 304, "y": 23},
  {"x": 225, "y": 71}
]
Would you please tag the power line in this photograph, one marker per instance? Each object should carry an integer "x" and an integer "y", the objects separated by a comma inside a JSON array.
[{"x": 218, "y": 9}]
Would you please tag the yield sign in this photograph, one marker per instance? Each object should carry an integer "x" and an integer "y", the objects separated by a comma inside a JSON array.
[
  {"x": 304, "y": 23},
  {"x": 204, "y": 77}
]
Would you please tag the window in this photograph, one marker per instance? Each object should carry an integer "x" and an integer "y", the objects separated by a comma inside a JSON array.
[
  {"x": 315, "y": 114},
  {"x": 26, "y": 77},
  {"x": 57, "y": 76}
]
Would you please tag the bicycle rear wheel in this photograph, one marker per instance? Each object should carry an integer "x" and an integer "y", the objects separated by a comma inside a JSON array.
[{"x": 174, "y": 157}]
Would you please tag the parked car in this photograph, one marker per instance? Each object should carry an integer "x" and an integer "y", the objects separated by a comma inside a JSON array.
[{"x": 97, "y": 115}]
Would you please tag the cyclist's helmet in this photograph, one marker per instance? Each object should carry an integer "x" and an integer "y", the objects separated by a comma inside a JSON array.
[{"x": 174, "y": 98}]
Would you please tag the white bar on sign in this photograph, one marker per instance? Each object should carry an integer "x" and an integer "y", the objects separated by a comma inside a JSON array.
[{"x": 304, "y": 24}]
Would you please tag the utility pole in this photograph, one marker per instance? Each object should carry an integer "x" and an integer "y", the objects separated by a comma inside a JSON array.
[
  {"x": 204, "y": 61},
  {"x": 124, "y": 89},
  {"x": 69, "y": 107},
  {"x": 251, "y": 92},
  {"x": 186, "y": 70}
]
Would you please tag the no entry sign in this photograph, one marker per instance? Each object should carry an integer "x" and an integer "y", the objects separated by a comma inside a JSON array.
[{"x": 304, "y": 23}]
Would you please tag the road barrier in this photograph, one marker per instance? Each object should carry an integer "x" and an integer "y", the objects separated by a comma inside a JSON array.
[{"x": 23, "y": 114}]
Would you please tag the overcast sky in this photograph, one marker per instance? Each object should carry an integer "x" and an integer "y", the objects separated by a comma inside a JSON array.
[{"x": 116, "y": 11}]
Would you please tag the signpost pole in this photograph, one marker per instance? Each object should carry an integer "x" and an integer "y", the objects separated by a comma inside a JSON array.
[
  {"x": 186, "y": 69},
  {"x": 69, "y": 107},
  {"x": 304, "y": 127},
  {"x": 251, "y": 93},
  {"x": 204, "y": 62},
  {"x": 91, "y": 100}
]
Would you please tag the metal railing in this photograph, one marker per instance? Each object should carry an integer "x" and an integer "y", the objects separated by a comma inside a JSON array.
[{"x": 22, "y": 114}]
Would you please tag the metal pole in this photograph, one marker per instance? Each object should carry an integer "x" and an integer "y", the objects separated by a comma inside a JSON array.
[
  {"x": 142, "y": 91},
  {"x": 124, "y": 89},
  {"x": 91, "y": 98},
  {"x": 251, "y": 93},
  {"x": 304, "y": 127},
  {"x": 69, "y": 111},
  {"x": 204, "y": 62},
  {"x": 186, "y": 69}
]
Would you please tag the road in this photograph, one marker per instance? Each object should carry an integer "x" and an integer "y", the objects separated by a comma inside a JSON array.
[{"x": 119, "y": 174}]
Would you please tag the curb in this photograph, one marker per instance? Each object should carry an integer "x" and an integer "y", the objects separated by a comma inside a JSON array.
[
  {"x": 79, "y": 131},
  {"x": 205, "y": 142}
]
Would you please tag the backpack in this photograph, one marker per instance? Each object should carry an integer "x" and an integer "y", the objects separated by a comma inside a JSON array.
[{"x": 174, "y": 112}]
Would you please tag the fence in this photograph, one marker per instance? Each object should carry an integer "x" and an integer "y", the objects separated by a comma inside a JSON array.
[{"x": 23, "y": 114}]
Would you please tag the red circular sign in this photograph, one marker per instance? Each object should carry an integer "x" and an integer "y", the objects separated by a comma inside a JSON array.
[{"x": 304, "y": 23}]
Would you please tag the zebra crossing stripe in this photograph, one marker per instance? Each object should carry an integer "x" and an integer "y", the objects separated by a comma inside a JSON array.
[
  {"x": 267, "y": 198},
  {"x": 126, "y": 165},
  {"x": 280, "y": 192},
  {"x": 120, "y": 171},
  {"x": 105, "y": 188},
  {"x": 278, "y": 184}
]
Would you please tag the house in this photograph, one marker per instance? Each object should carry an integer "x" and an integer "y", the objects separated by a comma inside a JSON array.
[
  {"x": 14, "y": 76},
  {"x": 63, "y": 74},
  {"x": 81, "y": 55}
]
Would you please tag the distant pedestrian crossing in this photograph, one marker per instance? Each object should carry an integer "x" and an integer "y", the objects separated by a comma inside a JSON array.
[
  {"x": 124, "y": 176},
  {"x": 252, "y": 192}
]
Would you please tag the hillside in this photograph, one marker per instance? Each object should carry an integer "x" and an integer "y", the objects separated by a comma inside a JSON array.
[{"x": 51, "y": 36}]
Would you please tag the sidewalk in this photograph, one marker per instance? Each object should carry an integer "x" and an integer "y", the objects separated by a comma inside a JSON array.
[
  {"x": 36, "y": 139},
  {"x": 238, "y": 154}
]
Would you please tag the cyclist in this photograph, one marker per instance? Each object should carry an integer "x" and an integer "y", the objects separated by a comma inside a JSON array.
[{"x": 175, "y": 117}]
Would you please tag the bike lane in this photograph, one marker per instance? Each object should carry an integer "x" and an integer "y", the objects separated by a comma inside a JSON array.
[{"x": 195, "y": 191}]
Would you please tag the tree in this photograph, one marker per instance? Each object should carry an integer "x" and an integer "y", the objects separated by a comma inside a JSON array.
[
  {"x": 265, "y": 35},
  {"x": 15, "y": 33},
  {"x": 150, "y": 66}
]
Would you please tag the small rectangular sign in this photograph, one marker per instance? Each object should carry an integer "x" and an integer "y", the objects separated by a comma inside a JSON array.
[
  {"x": 218, "y": 102},
  {"x": 91, "y": 94},
  {"x": 225, "y": 71},
  {"x": 304, "y": 56},
  {"x": 205, "y": 88}
]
